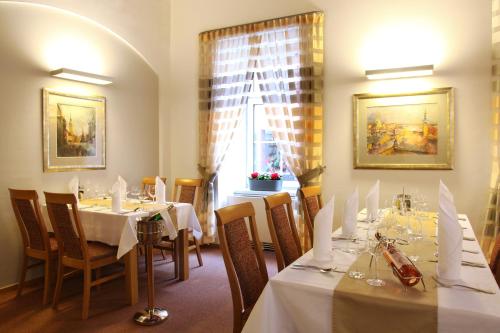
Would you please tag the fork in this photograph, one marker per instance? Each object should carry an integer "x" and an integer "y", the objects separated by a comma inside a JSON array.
[
  {"x": 449, "y": 285},
  {"x": 320, "y": 269}
]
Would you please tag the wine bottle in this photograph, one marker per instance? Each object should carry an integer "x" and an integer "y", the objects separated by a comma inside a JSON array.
[
  {"x": 403, "y": 268},
  {"x": 155, "y": 217}
]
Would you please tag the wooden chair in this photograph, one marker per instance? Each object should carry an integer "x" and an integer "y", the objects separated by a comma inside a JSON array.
[
  {"x": 37, "y": 242},
  {"x": 495, "y": 261},
  {"x": 186, "y": 190},
  {"x": 310, "y": 198},
  {"x": 245, "y": 266},
  {"x": 74, "y": 250},
  {"x": 148, "y": 185},
  {"x": 282, "y": 229}
]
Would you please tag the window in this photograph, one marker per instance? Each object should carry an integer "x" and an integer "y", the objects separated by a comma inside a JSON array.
[{"x": 262, "y": 153}]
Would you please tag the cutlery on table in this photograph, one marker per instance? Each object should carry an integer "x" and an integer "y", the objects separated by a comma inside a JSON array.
[
  {"x": 463, "y": 285},
  {"x": 354, "y": 239},
  {"x": 466, "y": 263},
  {"x": 463, "y": 250},
  {"x": 317, "y": 268}
]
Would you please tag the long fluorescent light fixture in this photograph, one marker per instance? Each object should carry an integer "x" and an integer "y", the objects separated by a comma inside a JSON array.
[
  {"x": 394, "y": 73},
  {"x": 70, "y": 74}
]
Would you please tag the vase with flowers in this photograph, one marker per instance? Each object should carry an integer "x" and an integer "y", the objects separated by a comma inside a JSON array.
[{"x": 265, "y": 181}]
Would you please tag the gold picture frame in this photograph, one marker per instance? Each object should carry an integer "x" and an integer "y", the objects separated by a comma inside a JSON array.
[
  {"x": 404, "y": 131},
  {"x": 74, "y": 131}
]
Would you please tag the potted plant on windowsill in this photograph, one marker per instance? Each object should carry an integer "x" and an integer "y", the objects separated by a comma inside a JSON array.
[{"x": 265, "y": 182}]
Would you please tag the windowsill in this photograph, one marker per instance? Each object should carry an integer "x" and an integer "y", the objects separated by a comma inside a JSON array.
[{"x": 249, "y": 193}]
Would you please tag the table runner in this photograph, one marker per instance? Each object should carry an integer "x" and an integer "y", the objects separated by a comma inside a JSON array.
[{"x": 390, "y": 308}]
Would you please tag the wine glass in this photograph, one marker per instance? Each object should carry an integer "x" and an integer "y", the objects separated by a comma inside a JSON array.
[
  {"x": 374, "y": 248},
  {"x": 355, "y": 273},
  {"x": 151, "y": 193},
  {"x": 135, "y": 191}
]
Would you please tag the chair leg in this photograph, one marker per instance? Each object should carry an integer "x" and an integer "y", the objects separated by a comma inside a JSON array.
[
  {"x": 24, "y": 268},
  {"x": 162, "y": 254},
  {"x": 87, "y": 279},
  {"x": 198, "y": 251},
  {"x": 60, "y": 277},
  {"x": 47, "y": 280}
]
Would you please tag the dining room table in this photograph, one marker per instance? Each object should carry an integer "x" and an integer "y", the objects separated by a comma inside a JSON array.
[
  {"x": 101, "y": 224},
  {"x": 302, "y": 298}
]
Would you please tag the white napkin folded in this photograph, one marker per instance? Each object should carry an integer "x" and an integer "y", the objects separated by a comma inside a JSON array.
[
  {"x": 160, "y": 191},
  {"x": 323, "y": 223},
  {"x": 350, "y": 214},
  {"x": 73, "y": 187},
  {"x": 372, "y": 201},
  {"x": 171, "y": 230},
  {"x": 123, "y": 188},
  {"x": 450, "y": 237},
  {"x": 116, "y": 200}
]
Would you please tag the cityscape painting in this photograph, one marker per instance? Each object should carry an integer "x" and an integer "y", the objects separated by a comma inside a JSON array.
[
  {"x": 74, "y": 131},
  {"x": 404, "y": 131}
]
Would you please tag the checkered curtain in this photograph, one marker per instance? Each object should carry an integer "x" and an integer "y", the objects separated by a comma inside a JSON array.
[
  {"x": 492, "y": 223},
  {"x": 287, "y": 55},
  {"x": 224, "y": 84},
  {"x": 290, "y": 78}
]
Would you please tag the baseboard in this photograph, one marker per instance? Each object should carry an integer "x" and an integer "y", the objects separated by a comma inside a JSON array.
[{"x": 28, "y": 283}]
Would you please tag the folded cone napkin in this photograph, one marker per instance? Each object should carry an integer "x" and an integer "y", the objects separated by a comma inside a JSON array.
[
  {"x": 323, "y": 223},
  {"x": 350, "y": 214},
  {"x": 372, "y": 202},
  {"x": 450, "y": 237}
]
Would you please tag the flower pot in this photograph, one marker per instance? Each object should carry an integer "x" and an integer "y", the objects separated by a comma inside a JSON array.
[{"x": 265, "y": 185}]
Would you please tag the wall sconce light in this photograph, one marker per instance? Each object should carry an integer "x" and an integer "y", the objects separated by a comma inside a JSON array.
[
  {"x": 395, "y": 73},
  {"x": 70, "y": 74}
]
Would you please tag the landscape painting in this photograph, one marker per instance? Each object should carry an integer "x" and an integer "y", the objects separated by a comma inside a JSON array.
[
  {"x": 74, "y": 131},
  {"x": 404, "y": 131}
]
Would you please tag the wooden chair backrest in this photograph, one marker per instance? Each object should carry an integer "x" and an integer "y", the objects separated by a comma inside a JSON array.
[
  {"x": 64, "y": 222},
  {"x": 312, "y": 202},
  {"x": 495, "y": 260},
  {"x": 29, "y": 219},
  {"x": 246, "y": 268},
  {"x": 283, "y": 229},
  {"x": 187, "y": 190},
  {"x": 148, "y": 184}
]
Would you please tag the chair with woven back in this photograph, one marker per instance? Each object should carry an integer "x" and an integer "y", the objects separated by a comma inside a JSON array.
[
  {"x": 244, "y": 261},
  {"x": 310, "y": 197},
  {"x": 186, "y": 190},
  {"x": 148, "y": 185},
  {"x": 74, "y": 250},
  {"x": 282, "y": 228},
  {"x": 495, "y": 261},
  {"x": 38, "y": 244}
]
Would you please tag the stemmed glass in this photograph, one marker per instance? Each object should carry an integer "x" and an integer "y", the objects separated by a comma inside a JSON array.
[
  {"x": 151, "y": 192},
  {"x": 135, "y": 191},
  {"x": 374, "y": 249},
  {"x": 355, "y": 273}
]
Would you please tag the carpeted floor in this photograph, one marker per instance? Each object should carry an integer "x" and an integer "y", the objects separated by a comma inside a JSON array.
[{"x": 201, "y": 304}]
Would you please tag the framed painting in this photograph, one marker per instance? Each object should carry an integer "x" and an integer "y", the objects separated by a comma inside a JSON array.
[
  {"x": 404, "y": 131},
  {"x": 74, "y": 131}
]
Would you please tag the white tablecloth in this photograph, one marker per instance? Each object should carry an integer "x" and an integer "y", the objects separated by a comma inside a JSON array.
[
  {"x": 102, "y": 225},
  {"x": 301, "y": 301}
]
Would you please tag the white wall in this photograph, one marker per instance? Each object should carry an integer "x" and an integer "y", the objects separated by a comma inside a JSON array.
[
  {"x": 34, "y": 40},
  {"x": 458, "y": 34}
]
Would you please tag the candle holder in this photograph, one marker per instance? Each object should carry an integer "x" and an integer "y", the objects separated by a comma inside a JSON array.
[{"x": 149, "y": 234}]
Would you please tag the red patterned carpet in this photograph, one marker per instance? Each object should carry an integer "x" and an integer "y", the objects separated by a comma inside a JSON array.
[{"x": 201, "y": 304}]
